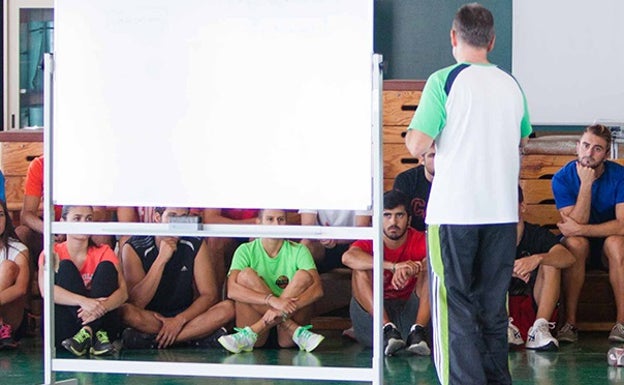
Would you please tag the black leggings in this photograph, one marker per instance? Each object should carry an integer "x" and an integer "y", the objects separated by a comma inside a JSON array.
[{"x": 103, "y": 284}]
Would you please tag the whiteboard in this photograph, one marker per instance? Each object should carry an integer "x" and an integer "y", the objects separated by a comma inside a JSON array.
[
  {"x": 219, "y": 103},
  {"x": 568, "y": 57}
]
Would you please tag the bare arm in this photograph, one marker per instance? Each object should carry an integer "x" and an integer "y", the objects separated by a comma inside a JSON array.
[
  {"x": 417, "y": 142},
  {"x": 572, "y": 228},
  {"x": 240, "y": 293},
  {"x": 126, "y": 214},
  {"x": 580, "y": 211},
  {"x": 313, "y": 293},
  {"x": 141, "y": 285},
  {"x": 29, "y": 215},
  {"x": 205, "y": 281},
  {"x": 358, "y": 259}
]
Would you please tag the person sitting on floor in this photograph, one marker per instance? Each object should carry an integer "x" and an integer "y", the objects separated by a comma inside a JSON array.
[
  {"x": 406, "y": 310},
  {"x": 14, "y": 280},
  {"x": 89, "y": 287},
  {"x": 540, "y": 257},
  {"x": 274, "y": 282},
  {"x": 163, "y": 273}
]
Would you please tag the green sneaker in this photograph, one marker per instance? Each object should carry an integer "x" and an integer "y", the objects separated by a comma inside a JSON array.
[
  {"x": 305, "y": 339},
  {"x": 241, "y": 341},
  {"x": 102, "y": 344},
  {"x": 79, "y": 344}
]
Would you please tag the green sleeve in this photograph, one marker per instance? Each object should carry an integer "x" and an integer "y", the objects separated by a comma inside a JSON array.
[
  {"x": 525, "y": 126},
  {"x": 430, "y": 116},
  {"x": 241, "y": 258}
]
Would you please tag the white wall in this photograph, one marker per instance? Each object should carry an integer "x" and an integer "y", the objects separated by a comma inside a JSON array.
[{"x": 569, "y": 58}]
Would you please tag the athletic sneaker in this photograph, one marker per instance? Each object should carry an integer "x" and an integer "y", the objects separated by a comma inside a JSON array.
[
  {"x": 615, "y": 357},
  {"x": 210, "y": 341},
  {"x": 134, "y": 339},
  {"x": 79, "y": 344},
  {"x": 617, "y": 333},
  {"x": 567, "y": 333},
  {"x": 305, "y": 339},
  {"x": 417, "y": 342},
  {"x": 539, "y": 337},
  {"x": 101, "y": 344},
  {"x": 513, "y": 334},
  {"x": 6, "y": 337},
  {"x": 392, "y": 340},
  {"x": 241, "y": 341}
]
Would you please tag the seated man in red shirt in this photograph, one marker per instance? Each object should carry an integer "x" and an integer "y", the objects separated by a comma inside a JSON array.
[{"x": 407, "y": 309}]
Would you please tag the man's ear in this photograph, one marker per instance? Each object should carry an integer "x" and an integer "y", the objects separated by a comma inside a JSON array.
[
  {"x": 157, "y": 218},
  {"x": 453, "y": 38},
  {"x": 490, "y": 46}
]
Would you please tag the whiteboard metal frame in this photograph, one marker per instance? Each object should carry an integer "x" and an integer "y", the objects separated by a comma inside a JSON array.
[{"x": 372, "y": 374}]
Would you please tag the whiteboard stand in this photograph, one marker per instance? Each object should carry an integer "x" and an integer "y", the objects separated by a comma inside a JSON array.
[{"x": 374, "y": 374}]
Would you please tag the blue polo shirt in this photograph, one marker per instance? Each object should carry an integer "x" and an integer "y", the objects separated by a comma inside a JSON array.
[{"x": 607, "y": 191}]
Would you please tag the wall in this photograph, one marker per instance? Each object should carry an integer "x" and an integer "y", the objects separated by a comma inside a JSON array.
[{"x": 413, "y": 35}]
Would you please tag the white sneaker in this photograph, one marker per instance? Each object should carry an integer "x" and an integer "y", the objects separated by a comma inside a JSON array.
[
  {"x": 305, "y": 339},
  {"x": 539, "y": 337},
  {"x": 513, "y": 334},
  {"x": 241, "y": 341}
]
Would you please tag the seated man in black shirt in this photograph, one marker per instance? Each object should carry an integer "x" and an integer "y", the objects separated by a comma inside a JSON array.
[
  {"x": 172, "y": 291},
  {"x": 537, "y": 272},
  {"x": 416, "y": 184}
]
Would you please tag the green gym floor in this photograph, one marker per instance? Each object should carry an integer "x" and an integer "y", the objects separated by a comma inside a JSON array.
[{"x": 582, "y": 363}]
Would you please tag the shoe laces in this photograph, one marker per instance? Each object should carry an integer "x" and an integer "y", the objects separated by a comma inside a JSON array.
[
  {"x": 545, "y": 326},
  {"x": 102, "y": 336},
  {"x": 242, "y": 333},
  {"x": 82, "y": 336},
  {"x": 567, "y": 327},
  {"x": 304, "y": 332},
  {"x": 5, "y": 331}
]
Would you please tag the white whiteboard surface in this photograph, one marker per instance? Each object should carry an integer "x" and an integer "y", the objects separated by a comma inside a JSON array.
[
  {"x": 568, "y": 57},
  {"x": 220, "y": 103}
]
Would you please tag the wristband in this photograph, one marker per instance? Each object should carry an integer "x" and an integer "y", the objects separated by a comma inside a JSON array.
[
  {"x": 393, "y": 268},
  {"x": 267, "y": 298}
]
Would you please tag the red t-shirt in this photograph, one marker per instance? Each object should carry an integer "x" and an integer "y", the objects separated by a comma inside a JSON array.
[
  {"x": 34, "y": 183},
  {"x": 95, "y": 255},
  {"x": 413, "y": 249},
  {"x": 240, "y": 213}
]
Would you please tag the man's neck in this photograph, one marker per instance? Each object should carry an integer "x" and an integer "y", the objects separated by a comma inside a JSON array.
[
  {"x": 469, "y": 54},
  {"x": 272, "y": 246}
]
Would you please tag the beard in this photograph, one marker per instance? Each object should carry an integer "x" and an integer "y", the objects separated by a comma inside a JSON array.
[
  {"x": 396, "y": 235},
  {"x": 588, "y": 161}
]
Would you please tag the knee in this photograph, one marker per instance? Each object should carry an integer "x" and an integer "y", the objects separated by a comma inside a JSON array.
[
  {"x": 614, "y": 249},
  {"x": 246, "y": 277},
  {"x": 579, "y": 247},
  {"x": 9, "y": 269}
]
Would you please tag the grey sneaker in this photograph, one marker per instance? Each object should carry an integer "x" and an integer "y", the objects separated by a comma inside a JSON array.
[
  {"x": 567, "y": 333},
  {"x": 617, "y": 333}
]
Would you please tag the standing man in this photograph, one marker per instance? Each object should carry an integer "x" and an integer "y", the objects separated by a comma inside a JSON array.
[
  {"x": 589, "y": 194},
  {"x": 477, "y": 115}
]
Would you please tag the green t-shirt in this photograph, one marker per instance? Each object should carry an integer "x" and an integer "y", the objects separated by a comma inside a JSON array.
[{"x": 276, "y": 272}]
